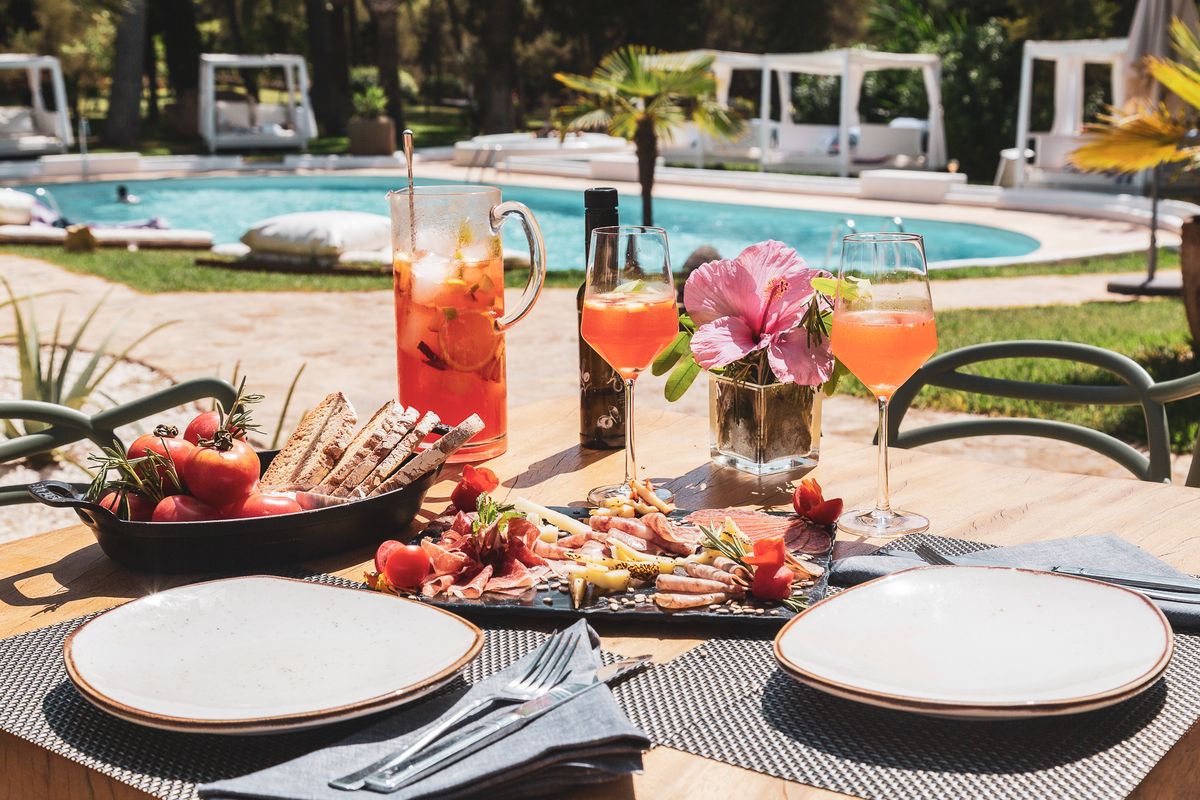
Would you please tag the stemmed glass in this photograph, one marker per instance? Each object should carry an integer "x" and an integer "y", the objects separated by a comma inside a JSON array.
[
  {"x": 629, "y": 316},
  {"x": 883, "y": 331}
]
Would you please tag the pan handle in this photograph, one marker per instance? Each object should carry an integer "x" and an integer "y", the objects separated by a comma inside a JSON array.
[{"x": 61, "y": 494}]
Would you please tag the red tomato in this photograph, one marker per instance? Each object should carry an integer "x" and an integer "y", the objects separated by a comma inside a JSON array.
[
  {"x": 222, "y": 474},
  {"x": 811, "y": 504},
  {"x": 140, "y": 509},
  {"x": 771, "y": 583},
  {"x": 263, "y": 505},
  {"x": 769, "y": 552},
  {"x": 475, "y": 481},
  {"x": 205, "y": 425},
  {"x": 385, "y": 550},
  {"x": 175, "y": 449},
  {"x": 181, "y": 508},
  {"x": 406, "y": 566}
]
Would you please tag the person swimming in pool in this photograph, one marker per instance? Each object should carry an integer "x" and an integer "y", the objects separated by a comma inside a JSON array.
[{"x": 123, "y": 196}]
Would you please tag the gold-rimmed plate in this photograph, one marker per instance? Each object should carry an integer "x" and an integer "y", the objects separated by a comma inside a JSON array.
[
  {"x": 979, "y": 643},
  {"x": 263, "y": 654}
]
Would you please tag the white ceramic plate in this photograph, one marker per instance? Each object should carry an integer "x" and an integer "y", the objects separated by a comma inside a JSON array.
[
  {"x": 979, "y": 642},
  {"x": 263, "y": 654}
]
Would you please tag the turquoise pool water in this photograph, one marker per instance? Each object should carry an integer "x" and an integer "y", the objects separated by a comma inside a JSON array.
[{"x": 229, "y": 206}]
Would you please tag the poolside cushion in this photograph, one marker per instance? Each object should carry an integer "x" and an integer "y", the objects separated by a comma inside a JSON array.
[
  {"x": 16, "y": 208},
  {"x": 324, "y": 235},
  {"x": 17, "y": 121}
]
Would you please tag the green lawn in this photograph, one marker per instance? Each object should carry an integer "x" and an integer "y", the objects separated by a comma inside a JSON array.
[{"x": 1152, "y": 332}]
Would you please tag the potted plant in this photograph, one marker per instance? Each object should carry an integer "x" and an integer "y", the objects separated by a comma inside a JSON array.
[
  {"x": 758, "y": 324},
  {"x": 371, "y": 131}
]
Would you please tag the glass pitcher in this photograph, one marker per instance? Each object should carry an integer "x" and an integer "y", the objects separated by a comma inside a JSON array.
[{"x": 448, "y": 268}]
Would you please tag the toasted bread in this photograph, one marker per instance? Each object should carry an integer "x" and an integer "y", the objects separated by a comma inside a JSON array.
[
  {"x": 314, "y": 447},
  {"x": 392, "y": 462},
  {"x": 370, "y": 445},
  {"x": 400, "y": 428},
  {"x": 435, "y": 456}
]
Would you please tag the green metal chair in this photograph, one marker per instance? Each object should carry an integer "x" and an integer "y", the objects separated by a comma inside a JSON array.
[
  {"x": 68, "y": 425},
  {"x": 1139, "y": 389}
]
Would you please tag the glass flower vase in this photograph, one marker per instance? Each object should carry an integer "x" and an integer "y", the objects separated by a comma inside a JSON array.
[{"x": 763, "y": 430}]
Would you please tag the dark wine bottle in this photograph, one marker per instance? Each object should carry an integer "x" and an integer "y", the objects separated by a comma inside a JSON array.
[{"x": 601, "y": 390}]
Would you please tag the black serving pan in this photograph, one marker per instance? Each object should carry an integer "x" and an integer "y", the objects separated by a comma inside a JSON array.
[{"x": 235, "y": 544}]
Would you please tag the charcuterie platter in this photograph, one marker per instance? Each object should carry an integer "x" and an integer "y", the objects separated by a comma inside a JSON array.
[{"x": 737, "y": 566}]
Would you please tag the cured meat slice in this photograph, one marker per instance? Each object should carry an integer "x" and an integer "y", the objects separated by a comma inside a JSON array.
[
  {"x": 709, "y": 572},
  {"x": 799, "y": 536},
  {"x": 633, "y": 527},
  {"x": 474, "y": 587},
  {"x": 689, "y": 585},
  {"x": 676, "y": 601}
]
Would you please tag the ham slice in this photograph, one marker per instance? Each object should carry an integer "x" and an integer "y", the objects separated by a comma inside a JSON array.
[
  {"x": 672, "y": 536},
  {"x": 633, "y": 527},
  {"x": 687, "y": 584},
  {"x": 799, "y": 536},
  {"x": 676, "y": 601},
  {"x": 709, "y": 573},
  {"x": 474, "y": 587}
]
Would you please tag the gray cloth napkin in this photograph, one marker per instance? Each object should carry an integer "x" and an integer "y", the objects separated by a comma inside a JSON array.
[
  {"x": 587, "y": 739},
  {"x": 1099, "y": 551}
]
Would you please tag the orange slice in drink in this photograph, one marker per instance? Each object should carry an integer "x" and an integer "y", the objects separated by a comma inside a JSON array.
[{"x": 468, "y": 340}]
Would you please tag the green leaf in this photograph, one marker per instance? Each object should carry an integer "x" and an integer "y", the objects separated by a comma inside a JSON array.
[
  {"x": 681, "y": 378},
  {"x": 839, "y": 372},
  {"x": 667, "y": 358}
]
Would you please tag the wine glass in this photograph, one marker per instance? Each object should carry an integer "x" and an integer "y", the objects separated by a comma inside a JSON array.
[
  {"x": 883, "y": 331},
  {"x": 629, "y": 316}
]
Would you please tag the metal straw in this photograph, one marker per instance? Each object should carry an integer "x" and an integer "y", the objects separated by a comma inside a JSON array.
[{"x": 412, "y": 214}]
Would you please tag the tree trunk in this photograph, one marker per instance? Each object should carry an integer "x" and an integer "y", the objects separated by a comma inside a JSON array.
[
  {"x": 1189, "y": 266},
  {"x": 249, "y": 76},
  {"x": 125, "y": 98},
  {"x": 646, "y": 143},
  {"x": 385, "y": 13},
  {"x": 496, "y": 78},
  {"x": 338, "y": 76},
  {"x": 151, "y": 62},
  {"x": 181, "y": 41}
]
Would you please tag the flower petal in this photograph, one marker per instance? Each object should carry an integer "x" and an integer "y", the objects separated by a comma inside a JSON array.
[
  {"x": 722, "y": 288},
  {"x": 793, "y": 361},
  {"x": 722, "y": 342},
  {"x": 783, "y": 281}
]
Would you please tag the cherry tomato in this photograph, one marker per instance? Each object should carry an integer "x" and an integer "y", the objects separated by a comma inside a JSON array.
[
  {"x": 131, "y": 506},
  {"x": 385, "y": 550},
  {"x": 771, "y": 582},
  {"x": 222, "y": 474},
  {"x": 263, "y": 505},
  {"x": 475, "y": 481},
  {"x": 181, "y": 508},
  {"x": 205, "y": 425},
  {"x": 406, "y": 566},
  {"x": 170, "y": 447}
]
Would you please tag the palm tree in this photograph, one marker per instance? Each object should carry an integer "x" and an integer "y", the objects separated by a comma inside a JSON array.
[
  {"x": 1152, "y": 136},
  {"x": 643, "y": 95}
]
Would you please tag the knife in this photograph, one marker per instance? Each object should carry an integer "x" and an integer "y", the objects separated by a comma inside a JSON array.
[
  {"x": 1132, "y": 580},
  {"x": 476, "y": 736}
]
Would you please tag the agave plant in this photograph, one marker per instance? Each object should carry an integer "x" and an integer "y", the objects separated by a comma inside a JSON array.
[
  {"x": 643, "y": 95},
  {"x": 1152, "y": 136},
  {"x": 47, "y": 368}
]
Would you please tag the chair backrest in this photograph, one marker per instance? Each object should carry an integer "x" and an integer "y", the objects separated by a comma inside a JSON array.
[
  {"x": 1139, "y": 389},
  {"x": 68, "y": 425}
]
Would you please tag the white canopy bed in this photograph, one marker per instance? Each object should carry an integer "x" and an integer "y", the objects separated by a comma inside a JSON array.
[
  {"x": 34, "y": 129},
  {"x": 246, "y": 125}
]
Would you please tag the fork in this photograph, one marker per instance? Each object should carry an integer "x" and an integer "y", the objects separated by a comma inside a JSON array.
[
  {"x": 546, "y": 671},
  {"x": 931, "y": 556}
]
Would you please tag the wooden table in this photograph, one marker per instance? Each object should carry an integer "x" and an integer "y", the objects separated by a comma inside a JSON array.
[{"x": 62, "y": 574}]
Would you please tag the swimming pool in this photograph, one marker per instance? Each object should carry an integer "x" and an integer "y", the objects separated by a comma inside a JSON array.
[{"x": 229, "y": 206}]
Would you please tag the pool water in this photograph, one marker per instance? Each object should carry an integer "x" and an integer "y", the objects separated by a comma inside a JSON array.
[{"x": 229, "y": 206}]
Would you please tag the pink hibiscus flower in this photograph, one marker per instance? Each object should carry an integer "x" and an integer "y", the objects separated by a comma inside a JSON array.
[{"x": 756, "y": 302}]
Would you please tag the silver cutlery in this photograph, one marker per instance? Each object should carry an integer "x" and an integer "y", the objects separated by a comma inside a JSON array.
[
  {"x": 1156, "y": 587},
  {"x": 547, "y": 669},
  {"x": 478, "y": 735}
]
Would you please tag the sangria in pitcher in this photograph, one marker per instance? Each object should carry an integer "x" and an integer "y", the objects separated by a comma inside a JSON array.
[{"x": 448, "y": 269}]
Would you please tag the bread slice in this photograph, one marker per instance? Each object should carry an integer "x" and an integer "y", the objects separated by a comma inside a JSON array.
[
  {"x": 381, "y": 473},
  {"x": 434, "y": 456},
  {"x": 371, "y": 445},
  {"x": 399, "y": 428},
  {"x": 314, "y": 447}
]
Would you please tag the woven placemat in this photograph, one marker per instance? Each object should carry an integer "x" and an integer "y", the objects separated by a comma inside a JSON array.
[
  {"x": 39, "y": 704},
  {"x": 746, "y": 711}
]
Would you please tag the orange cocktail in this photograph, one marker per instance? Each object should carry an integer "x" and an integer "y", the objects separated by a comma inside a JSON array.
[
  {"x": 630, "y": 329},
  {"x": 883, "y": 348},
  {"x": 449, "y": 351}
]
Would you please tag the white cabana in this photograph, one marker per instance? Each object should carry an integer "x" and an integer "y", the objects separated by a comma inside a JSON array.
[
  {"x": 851, "y": 140},
  {"x": 1052, "y": 147},
  {"x": 34, "y": 129},
  {"x": 236, "y": 124}
]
